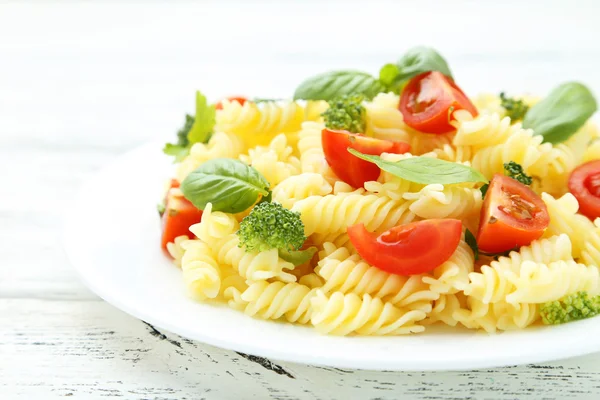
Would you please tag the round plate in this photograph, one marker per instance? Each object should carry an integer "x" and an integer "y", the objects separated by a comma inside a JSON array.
[{"x": 112, "y": 238}]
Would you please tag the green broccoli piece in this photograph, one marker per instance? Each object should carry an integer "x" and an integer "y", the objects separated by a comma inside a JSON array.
[
  {"x": 270, "y": 226},
  {"x": 346, "y": 113},
  {"x": 515, "y": 109},
  {"x": 516, "y": 172},
  {"x": 570, "y": 308}
]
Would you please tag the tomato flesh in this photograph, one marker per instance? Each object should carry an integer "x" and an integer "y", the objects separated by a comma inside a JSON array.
[
  {"x": 512, "y": 215},
  {"x": 584, "y": 184},
  {"x": 239, "y": 99},
  {"x": 429, "y": 99},
  {"x": 179, "y": 215},
  {"x": 408, "y": 249},
  {"x": 347, "y": 166}
]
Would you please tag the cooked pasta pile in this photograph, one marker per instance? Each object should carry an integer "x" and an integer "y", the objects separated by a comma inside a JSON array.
[{"x": 337, "y": 291}]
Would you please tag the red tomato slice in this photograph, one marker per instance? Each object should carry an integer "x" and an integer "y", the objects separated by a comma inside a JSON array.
[
  {"x": 428, "y": 101},
  {"x": 179, "y": 215},
  {"x": 174, "y": 183},
  {"x": 239, "y": 99},
  {"x": 408, "y": 249},
  {"x": 512, "y": 215},
  {"x": 350, "y": 168},
  {"x": 584, "y": 183}
]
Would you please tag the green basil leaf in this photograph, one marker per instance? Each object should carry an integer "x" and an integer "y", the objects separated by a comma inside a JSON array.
[
  {"x": 330, "y": 85},
  {"x": 388, "y": 73},
  {"x": 421, "y": 59},
  {"x": 425, "y": 170},
  {"x": 297, "y": 257},
  {"x": 229, "y": 185},
  {"x": 179, "y": 152},
  {"x": 561, "y": 113},
  {"x": 204, "y": 121},
  {"x": 472, "y": 242},
  {"x": 484, "y": 189}
]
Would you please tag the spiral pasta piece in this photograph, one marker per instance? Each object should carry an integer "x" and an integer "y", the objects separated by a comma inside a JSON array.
[
  {"x": 444, "y": 309},
  {"x": 312, "y": 157},
  {"x": 453, "y": 275},
  {"x": 220, "y": 145},
  {"x": 590, "y": 254},
  {"x": 176, "y": 250},
  {"x": 333, "y": 213},
  {"x": 384, "y": 119},
  {"x": 492, "y": 284},
  {"x": 521, "y": 147},
  {"x": 564, "y": 219},
  {"x": 295, "y": 188},
  {"x": 253, "y": 266},
  {"x": 257, "y": 124},
  {"x": 449, "y": 152},
  {"x": 214, "y": 225},
  {"x": 342, "y": 314},
  {"x": 484, "y": 131},
  {"x": 278, "y": 299},
  {"x": 450, "y": 201},
  {"x": 201, "y": 272},
  {"x": 496, "y": 316},
  {"x": 275, "y": 162},
  {"x": 346, "y": 272},
  {"x": 541, "y": 283}
]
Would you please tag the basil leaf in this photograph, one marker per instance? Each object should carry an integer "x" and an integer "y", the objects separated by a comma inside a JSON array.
[
  {"x": 230, "y": 185},
  {"x": 297, "y": 257},
  {"x": 484, "y": 189},
  {"x": 561, "y": 113},
  {"x": 177, "y": 151},
  {"x": 330, "y": 85},
  {"x": 204, "y": 121},
  {"x": 388, "y": 73},
  {"x": 472, "y": 242},
  {"x": 425, "y": 170},
  {"x": 418, "y": 60}
]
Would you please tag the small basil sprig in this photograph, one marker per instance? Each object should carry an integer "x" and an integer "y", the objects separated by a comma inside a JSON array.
[
  {"x": 197, "y": 129},
  {"x": 414, "y": 62},
  {"x": 230, "y": 185},
  {"x": 297, "y": 257},
  {"x": 425, "y": 170},
  {"x": 472, "y": 243},
  {"x": 329, "y": 85},
  {"x": 558, "y": 116}
]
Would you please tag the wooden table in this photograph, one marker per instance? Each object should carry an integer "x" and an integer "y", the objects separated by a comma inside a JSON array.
[{"x": 81, "y": 84}]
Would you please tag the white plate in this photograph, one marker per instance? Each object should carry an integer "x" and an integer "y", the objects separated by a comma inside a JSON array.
[{"x": 112, "y": 238}]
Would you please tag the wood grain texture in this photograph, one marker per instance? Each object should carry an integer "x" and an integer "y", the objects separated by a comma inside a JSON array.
[
  {"x": 87, "y": 348},
  {"x": 82, "y": 83}
]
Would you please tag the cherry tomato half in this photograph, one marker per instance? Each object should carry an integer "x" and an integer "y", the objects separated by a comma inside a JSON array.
[
  {"x": 350, "y": 168},
  {"x": 429, "y": 99},
  {"x": 179, "y": 215},
  {"x": 408, "y": 249},
  {"x": 239, "y": 99},
  {"x": 584, "y": 184},
  {"x": 512, "y": 215}
]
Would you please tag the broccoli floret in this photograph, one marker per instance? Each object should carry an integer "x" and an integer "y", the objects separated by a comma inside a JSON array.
[
  {"x": 182, "y": 134},
  {"x": 346, "y": 113},
  {"x": 270, "y": 226},
  {"x": 516, "y": 172},
  {"x": 515, "y": 109},
  {"x": 570, "y": 308}
]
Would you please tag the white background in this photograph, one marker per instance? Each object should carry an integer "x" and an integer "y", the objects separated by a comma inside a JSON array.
[{"x": 81, "y": 83}]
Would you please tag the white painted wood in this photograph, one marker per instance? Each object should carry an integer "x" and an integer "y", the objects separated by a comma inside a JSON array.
[{"x": 82, "y": 83}]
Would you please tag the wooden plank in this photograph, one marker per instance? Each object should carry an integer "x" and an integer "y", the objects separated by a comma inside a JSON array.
[{"x": 88, "y": 349}]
